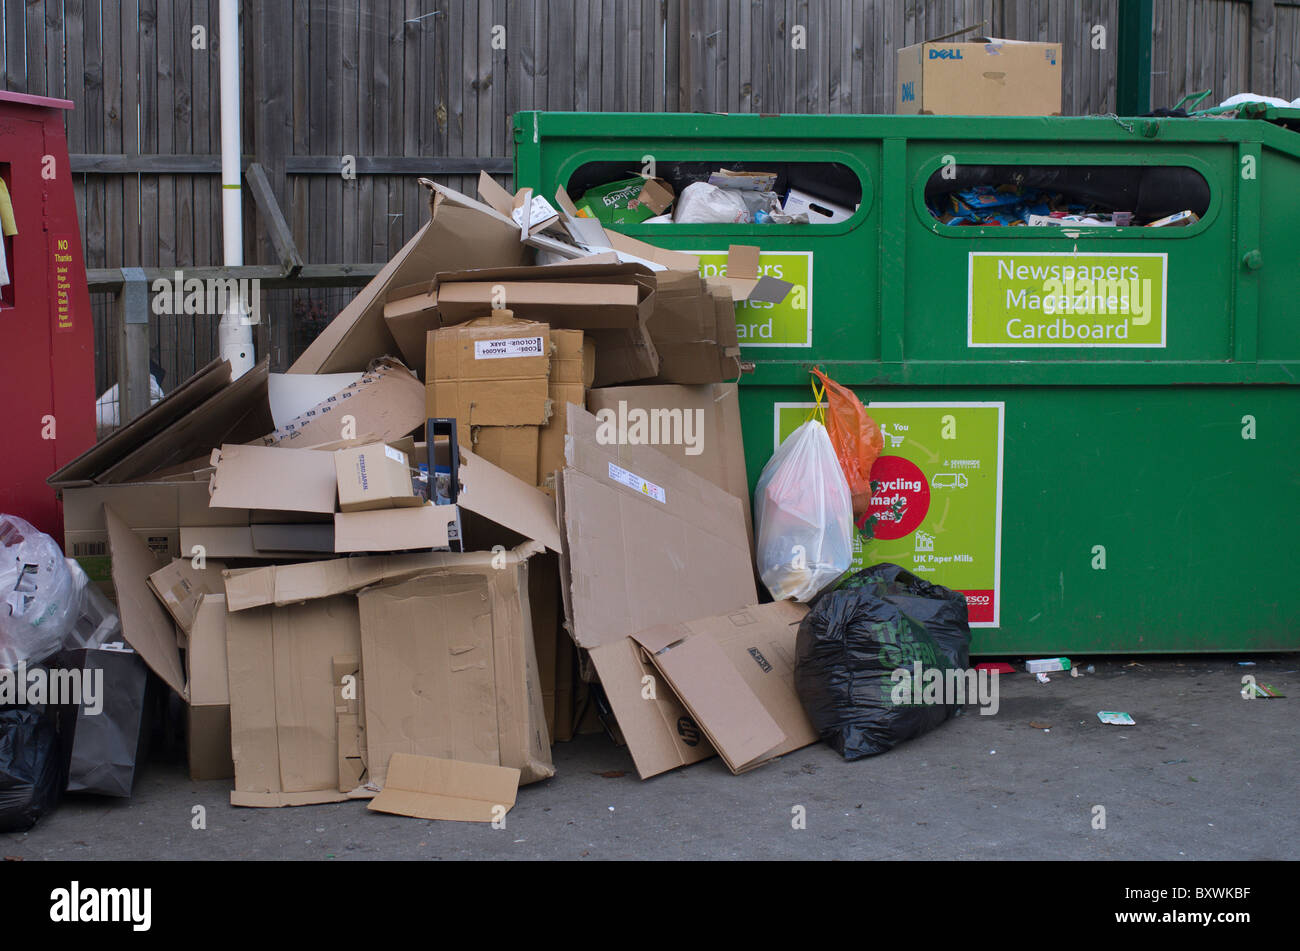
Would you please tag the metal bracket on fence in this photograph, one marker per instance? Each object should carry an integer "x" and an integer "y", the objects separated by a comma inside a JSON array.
[
  {"x": 132, "y": 344},
  {"x": 135, "y": 294}
]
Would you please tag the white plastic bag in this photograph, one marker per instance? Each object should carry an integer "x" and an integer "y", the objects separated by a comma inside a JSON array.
[
  {"x": 39, "y": 601},
  {"x": 702, "y": 203},
  {"x": 803, "y": 515}
]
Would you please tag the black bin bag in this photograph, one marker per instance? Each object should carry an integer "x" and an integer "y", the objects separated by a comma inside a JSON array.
[
  {"x": 855, "y": 636},
  {"x": 31, "y": 766}
]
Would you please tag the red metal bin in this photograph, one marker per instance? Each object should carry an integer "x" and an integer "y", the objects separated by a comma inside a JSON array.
[{"x": 47, "y": 338}]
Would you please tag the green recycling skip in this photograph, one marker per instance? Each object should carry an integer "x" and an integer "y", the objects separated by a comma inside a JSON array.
[
  {"x": 936, "y": 495},
  {"x": 1066, "y": 300},
  {"x": 787, "y": 324}
]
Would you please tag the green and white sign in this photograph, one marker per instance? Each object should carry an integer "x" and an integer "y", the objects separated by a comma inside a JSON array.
[
  {"x": 937, "y": 495},
  {"x": 1063, "y": 299},
  {"x": 787, "y": 324}
]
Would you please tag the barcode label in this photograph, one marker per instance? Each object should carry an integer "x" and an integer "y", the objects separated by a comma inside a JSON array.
[{"x": 510, "y": 347}]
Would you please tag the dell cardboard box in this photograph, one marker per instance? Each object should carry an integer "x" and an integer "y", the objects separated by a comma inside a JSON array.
[{"x": 987, "y": 77}]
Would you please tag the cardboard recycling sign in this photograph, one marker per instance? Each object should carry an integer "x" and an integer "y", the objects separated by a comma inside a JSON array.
[
  {"x": 1066, "y": 300},
  {"x": 937, "y": 499},
  {"x": 764, "y": 324}
]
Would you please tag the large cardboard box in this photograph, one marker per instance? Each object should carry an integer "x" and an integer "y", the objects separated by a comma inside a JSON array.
[
  {"x": 988, "y": 77},
  {"x": 482, "y": 370},
  {"x": 491, "y": 375},
  {"x": 429, "y": 629},
  {"x": 460, "y": 233},
  {"x": 450, "y": 666},
  {"x": 157, "y": 512}
]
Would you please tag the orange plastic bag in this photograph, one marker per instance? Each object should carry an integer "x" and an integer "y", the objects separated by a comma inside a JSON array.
[{"x": 856, "y": 439}]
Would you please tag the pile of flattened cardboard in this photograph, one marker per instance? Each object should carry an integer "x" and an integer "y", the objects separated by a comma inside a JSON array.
[{"x": 499, "y": 501}]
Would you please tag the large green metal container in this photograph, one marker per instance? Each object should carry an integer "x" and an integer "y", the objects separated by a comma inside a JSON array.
[{"x": 1140, "y": 496}]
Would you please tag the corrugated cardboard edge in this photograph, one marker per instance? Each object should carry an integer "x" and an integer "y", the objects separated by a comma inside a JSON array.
[
  {"x": 393, "y": 398},
  {"x": 245, "y": 474},
  {"x": 495, "y": 494},
  {"x": 175, "y": 597},
  {"x": 723, "y": 706},
  {"x": 125, "y": 440},
  {"x": 660, "y": 733},
  {"x": 281, "y": 585},
  {"x": 350, "y": 714},
  {"x": 426, "y": 787},
  {"x": 275, "y": 800},
  {"x": 241, "y": 408},
  {"x": 146, "y": 625}
]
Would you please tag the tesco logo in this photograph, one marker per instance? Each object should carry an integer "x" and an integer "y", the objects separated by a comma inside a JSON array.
[
  {"x": 945, "y": 54},
  {"x": 977, "y": 599}
]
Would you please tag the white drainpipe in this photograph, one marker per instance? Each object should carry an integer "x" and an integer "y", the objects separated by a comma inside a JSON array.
[{"x": 234, "y": 333}]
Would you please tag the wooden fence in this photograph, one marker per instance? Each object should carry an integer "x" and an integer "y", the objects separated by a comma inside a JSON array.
[{"x": 413, "y": 87}]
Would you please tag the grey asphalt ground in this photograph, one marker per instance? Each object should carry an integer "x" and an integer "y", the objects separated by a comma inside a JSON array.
[{"x": 1202, "y": 775}]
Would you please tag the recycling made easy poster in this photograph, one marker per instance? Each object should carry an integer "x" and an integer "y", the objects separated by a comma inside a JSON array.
[{"x": 937, "y": 496}]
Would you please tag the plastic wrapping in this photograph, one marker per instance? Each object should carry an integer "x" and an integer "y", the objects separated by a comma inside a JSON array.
[
  {"x": 855, "y": 636},
  {"x": 97, "y": 621},
  {"x": 702, "y": 203},
  {"x": 31, "y": 766},
  {"x": 856, "y": 439},
  {"x": 39, "y": 600},
  {"x": 803, "y": 516}
]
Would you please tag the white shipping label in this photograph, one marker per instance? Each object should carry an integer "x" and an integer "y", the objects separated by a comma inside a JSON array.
[
  {"x": 395, "y": 454},
  {"x": 509, "y": 347},
  {"x": 636, "y": 483}
]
